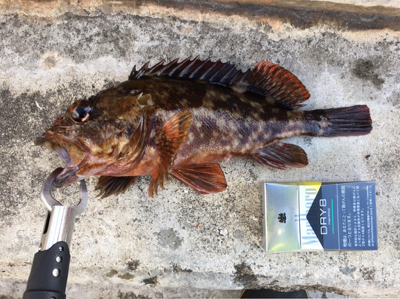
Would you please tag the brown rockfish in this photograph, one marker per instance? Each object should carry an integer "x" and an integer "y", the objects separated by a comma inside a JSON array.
[{"x": 179, "y": 119}]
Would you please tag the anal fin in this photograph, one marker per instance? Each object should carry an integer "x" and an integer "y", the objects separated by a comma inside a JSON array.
[
  {"x": 280, "y": 155},
  {"x": 109, "y": 185},
  {"x": 203, "y": 178}
]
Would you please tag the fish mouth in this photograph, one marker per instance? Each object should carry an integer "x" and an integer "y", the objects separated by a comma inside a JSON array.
[
  {"x": 62, "y": 179},
  {"x": 60, "y": 151},
  {"x": 69, "y": 170}
]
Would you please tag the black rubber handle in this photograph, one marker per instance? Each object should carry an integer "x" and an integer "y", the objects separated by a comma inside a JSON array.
[{"x": 49, "y": 273}]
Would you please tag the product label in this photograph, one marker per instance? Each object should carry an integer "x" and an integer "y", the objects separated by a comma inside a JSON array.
[
  {"x": 319, "y": 216},
  {"x": 357, "y": 216},
  {"x": 323, "y": 216},
  {"x": 307, "y": 194}
]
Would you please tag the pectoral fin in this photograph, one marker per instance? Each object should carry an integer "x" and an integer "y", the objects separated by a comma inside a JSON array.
[
  {"x": 109, "y": 185},
  {"x": 171, "y": 137},
  {"x": 203, "y": 178},
  {"x": 280, "y": 155}
]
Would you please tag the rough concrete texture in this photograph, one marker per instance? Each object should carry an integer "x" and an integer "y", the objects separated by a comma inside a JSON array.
[
  {"x": 150, "y": 7},
  {"x": 130, "y": 245}
]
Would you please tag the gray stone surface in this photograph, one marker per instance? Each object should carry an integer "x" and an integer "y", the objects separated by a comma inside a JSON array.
[{"x": 174, "y": 240}]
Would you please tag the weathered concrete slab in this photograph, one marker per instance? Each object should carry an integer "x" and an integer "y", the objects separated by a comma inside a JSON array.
[
  {"x": 175, "y": 239},
  {"x": 57, "y": 7}
]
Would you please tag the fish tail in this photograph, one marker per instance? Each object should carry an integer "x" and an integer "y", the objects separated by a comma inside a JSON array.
[{"x": 348, "y": 121}]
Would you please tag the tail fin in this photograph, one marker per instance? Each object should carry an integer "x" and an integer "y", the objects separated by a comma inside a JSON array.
[{"x": 348, "y": 121}]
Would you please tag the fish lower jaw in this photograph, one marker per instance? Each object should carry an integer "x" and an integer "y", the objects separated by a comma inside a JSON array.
[{"x": 65, "y": 177}]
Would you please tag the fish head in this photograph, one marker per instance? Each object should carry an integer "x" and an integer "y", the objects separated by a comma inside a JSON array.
[{"x": 95, "y": 133}]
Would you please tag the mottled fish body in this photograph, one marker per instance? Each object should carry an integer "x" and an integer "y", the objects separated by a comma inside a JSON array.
[{"x": 181, "y": 118}]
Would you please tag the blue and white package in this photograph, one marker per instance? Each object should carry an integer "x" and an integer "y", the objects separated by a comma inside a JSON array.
[{"x": 311, "y": 215}]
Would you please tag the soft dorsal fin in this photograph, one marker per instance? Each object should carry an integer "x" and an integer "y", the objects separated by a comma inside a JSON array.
[
  {"x": 279, "y": 83},
  {"x": 266, "y": 78}
]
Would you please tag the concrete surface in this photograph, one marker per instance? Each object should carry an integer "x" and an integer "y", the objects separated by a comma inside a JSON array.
[
  {"x": 168, "y": 7},
  {"x": 131, "y": 246}
]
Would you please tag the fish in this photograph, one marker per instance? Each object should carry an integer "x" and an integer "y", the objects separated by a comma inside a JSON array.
[{"x": 179, "y": 119}]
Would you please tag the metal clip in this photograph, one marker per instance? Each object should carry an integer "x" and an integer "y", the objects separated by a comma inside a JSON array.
[{"x": 60, "y": 219}]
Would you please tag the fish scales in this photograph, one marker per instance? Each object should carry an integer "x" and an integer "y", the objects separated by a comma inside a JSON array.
[
  {"x": 218, "y": 114},
  {"x": 180, "y": 119},
  {"x": 221, "y": 128}
]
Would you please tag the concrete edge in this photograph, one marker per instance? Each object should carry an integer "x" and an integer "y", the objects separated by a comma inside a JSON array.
[
  {"x": 325, "y": 5},
  {"x": 301, "y": 15}
]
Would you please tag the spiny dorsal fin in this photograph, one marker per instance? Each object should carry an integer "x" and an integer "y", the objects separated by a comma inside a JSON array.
[
  {"x": 266, "y": 78},
  {"x": 204, "y": 70}
]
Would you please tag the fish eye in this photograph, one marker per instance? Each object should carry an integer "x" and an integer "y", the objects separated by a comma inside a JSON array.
[{"x": 80, "y": 111}]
